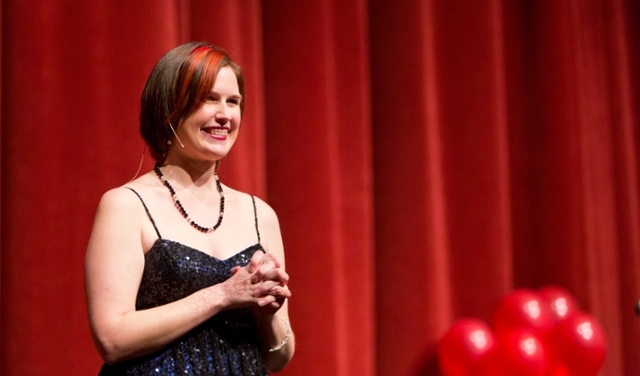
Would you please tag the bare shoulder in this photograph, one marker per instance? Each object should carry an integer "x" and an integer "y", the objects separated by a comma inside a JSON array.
[
  {"x": 265, "y": 212},
  {"x": 114, "y": 258},
  {"x": 117, "y": 198},
  {"x": 125, "y": 198},
  {"x": 269, "y": 228},
  {"x": 119, "y": 211},
  {"x": 115, "y": 249}
]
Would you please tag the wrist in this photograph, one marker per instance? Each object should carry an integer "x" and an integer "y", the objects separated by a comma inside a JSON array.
[
  {"x": 287, "y": 335},
  {"x": 262, "y": 316},
  {"x": 219, "y": 297}
]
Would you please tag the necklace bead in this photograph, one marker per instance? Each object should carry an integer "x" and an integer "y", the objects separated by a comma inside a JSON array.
[{"x": 181, "y": 209}]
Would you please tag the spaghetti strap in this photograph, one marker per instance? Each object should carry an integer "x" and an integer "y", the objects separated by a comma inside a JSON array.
[
  {"x": 255, "y": 215},
  {"x": 148, "y": 213}
]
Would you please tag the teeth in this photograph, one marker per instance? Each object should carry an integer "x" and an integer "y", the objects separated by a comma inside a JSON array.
[{"x": 217, "y": 131}]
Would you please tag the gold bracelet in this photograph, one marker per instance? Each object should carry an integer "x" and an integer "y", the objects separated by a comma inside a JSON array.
[{"x": 286, "y": 338}]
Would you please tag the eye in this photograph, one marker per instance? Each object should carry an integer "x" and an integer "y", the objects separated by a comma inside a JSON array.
[{"x": 235, "y": 101}]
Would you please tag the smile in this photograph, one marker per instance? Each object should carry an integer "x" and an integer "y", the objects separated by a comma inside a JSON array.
[{"x": 216, "y": 131}]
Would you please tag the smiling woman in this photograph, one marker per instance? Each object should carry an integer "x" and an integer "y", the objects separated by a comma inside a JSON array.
[
  {"x": 211, "y": 130},
  {"x": 173, "y": 283},
  {"x": 182, "y": 81}
]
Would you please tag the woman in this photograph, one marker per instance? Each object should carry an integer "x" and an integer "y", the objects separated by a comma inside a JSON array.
[{"x": 185, "y": 275}]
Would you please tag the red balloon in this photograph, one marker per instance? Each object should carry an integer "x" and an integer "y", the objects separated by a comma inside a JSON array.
[
  {"x": 489, "y": 365},
  {"x": 522, "y": 308},
  {"x": 560, "y": 303},
  {"x": 465, "y": 343},
  {"x": 521, "y": 353},
  {"x": 561, "y": 306},
  {"x": 580, "y": 342}
]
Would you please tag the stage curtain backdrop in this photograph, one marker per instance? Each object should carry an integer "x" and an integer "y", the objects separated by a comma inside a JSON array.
[{"x": 425, "y": 159}]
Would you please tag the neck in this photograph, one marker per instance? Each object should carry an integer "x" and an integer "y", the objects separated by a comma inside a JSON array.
[
  {"x": 187, "y": 172},
  {"x": 180, "y": 207}
]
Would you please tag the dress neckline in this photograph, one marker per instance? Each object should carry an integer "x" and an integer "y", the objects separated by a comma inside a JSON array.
[{"x": 257, "y": 246}]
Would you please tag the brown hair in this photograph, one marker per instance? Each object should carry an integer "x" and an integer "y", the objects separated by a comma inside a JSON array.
[{"x": 177, "y": 86}]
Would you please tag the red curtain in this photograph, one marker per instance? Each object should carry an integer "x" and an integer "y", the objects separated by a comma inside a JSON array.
[{"x": 425, "y": 159}]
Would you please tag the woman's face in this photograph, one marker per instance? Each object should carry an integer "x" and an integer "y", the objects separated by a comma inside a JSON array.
[{"x": 209, "y": 132}]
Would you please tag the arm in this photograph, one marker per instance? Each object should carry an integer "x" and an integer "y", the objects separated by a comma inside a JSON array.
[
  {"x": 113, "y": 269},
  {"x": 268, "y": 317}
]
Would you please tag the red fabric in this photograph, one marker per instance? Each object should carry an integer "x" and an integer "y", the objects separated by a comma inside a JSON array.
[{"x": 424, "y": 160}]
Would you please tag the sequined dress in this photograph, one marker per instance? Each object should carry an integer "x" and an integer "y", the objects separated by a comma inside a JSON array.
[{"x": 227, "y": 344}]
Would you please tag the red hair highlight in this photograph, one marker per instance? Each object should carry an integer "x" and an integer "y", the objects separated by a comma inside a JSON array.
[{"x": 198, "y": 77}]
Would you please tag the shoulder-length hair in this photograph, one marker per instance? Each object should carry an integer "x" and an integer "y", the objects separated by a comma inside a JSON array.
[{"x": 177, "y": 86}]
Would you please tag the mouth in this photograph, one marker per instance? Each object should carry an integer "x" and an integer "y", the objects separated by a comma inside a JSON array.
[{"x": 219, "y": 133}]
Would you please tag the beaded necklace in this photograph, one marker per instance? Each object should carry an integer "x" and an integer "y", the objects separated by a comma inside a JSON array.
[{"x": 180, "y": 208}]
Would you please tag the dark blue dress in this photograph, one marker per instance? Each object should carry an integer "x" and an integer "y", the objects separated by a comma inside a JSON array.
[{"x": 226, "y": 344}]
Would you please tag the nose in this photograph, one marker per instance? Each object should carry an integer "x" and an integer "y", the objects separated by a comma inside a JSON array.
[{"x": 223, "y": 115}]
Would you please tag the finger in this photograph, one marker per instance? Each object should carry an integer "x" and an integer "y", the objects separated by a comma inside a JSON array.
[
  {"x": 267, "y": 264},
  {"x": 264, "y": 287},
  {"x": 272, "y": 258},
  {"x": 268, "y": 299},
  {"x": 234, "y": 270},
  {"x": 276, "y": 290},
  {"x": 275, "y": 305},
  {"x": 276, "y": 274},
  {"x": 268, "y": 257},
  {"x": 280, "y": 291},
  {"x": 256, "y": 265},
  {"x": 263, "y": 270},
  {"x": 255, "y": 262}
]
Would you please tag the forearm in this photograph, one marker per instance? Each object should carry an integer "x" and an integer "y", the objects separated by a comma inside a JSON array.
[
  {"x": 274, "y": 331},
  {"x": 138, "y": 333}
]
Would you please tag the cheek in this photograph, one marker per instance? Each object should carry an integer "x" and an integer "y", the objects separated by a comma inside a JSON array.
[{"x": 237, "y": 119}]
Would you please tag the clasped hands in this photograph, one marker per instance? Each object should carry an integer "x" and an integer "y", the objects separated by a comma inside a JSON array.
[{"x": 267, "y": 281}]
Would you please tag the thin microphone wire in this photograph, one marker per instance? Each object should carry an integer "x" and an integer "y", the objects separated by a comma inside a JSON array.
[
  {"x": 175, "y": 134},
  {"x": 145, "y": 149},
  {"x": 140, "y": 165}
]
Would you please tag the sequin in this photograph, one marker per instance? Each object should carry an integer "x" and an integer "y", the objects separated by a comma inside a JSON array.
[{"x": 226, "y": 344}]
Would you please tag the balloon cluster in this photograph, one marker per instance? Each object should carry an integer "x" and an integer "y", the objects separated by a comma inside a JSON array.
[{"x": 535, "y": 333}]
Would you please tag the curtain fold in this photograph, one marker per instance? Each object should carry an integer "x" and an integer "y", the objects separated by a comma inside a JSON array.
[
  {"x": 319, "y": 177},
  {"x": 1, "y": 196},
  {"x": 626, "y": 182},
  {"x": 72, "y": 78},
  {"x": 424, "y": 160},
  {"x": 412, "y": 286}
]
